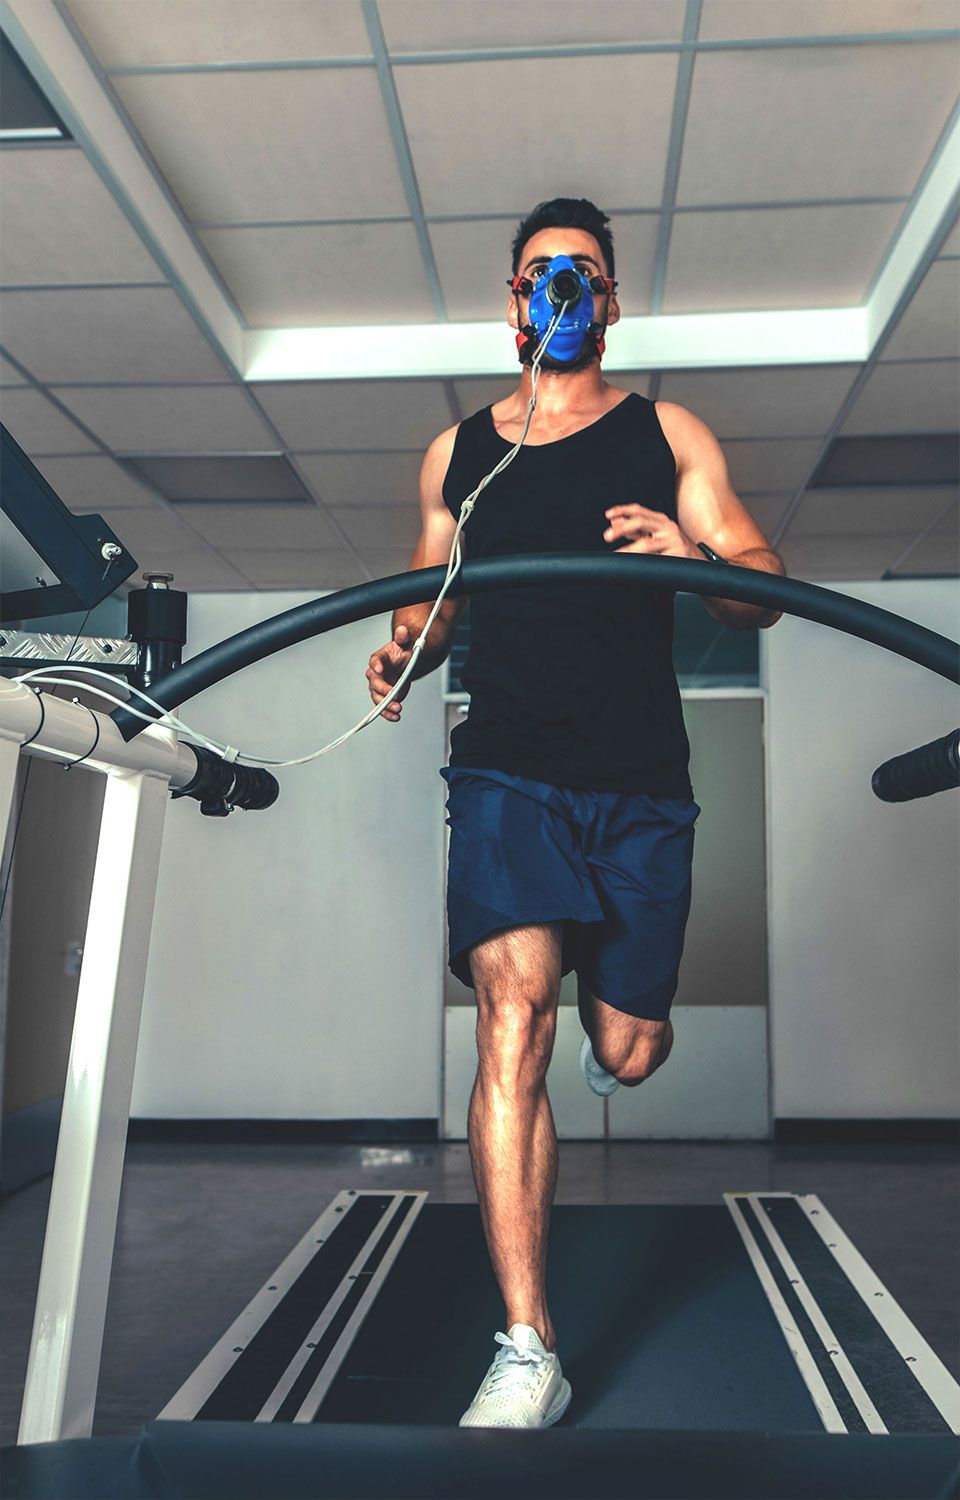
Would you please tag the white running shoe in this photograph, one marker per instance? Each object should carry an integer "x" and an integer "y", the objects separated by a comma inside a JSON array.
[
  {"x": 524, "y": 1387},
  {"x": 598, "y": 1078}
]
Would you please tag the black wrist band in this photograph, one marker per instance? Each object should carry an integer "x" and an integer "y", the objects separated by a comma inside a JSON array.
[{"x": 709, "y": 553}]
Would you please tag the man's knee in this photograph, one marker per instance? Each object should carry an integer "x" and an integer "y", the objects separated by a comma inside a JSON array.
[
  {"x": 516, "y": 1027},
  {"x": 631, "y": 1063}
]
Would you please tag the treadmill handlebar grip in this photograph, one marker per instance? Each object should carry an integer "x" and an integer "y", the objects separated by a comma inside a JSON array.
[
  {"x": 930, "y": 768},
  {"x": 220, "y": 786}
]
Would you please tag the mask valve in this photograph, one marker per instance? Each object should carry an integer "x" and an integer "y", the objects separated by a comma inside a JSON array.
[{"x": 564, "y": 286}]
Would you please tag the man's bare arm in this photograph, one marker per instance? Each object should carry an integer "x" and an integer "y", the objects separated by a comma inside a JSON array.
[
  {"x": 433, "y": 550},
  {"x": 708, "y": 510}
]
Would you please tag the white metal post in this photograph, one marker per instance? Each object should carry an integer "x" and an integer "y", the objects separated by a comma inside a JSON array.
[
  {"x": 9, "y": 761},
  {"x": 64, "y": 1365}
]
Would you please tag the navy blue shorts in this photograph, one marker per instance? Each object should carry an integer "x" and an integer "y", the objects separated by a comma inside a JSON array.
[{"x": 614, "y": 867}]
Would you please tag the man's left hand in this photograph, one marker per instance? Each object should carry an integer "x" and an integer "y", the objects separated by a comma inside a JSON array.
[{"x": 648, "y": 531}]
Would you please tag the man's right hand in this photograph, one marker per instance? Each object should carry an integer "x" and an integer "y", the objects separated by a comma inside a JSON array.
[{"x": 386, "y": 667}]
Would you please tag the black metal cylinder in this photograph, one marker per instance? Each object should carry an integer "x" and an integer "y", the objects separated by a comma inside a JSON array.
[
  {"x": 157, "y": 621},
  {"x": 157, "y": 614}
]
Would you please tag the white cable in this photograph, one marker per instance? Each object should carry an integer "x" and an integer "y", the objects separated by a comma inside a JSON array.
[{"x": 170, "y": 720}]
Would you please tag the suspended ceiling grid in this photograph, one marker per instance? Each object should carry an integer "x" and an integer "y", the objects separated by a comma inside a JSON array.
[{"x": 331, "y": 162}]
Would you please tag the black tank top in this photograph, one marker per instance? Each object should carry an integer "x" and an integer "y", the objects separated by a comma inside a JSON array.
[{"x": 573, "y": 686}]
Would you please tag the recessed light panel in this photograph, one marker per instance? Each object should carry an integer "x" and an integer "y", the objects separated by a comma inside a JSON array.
[
  {"x": 242, "y": 479},
  {"x": 910, "y": 459},
  {"x": 25, "y": 114}
]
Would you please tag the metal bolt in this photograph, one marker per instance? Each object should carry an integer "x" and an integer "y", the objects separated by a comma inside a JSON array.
[{"x": 157, "y": 580}]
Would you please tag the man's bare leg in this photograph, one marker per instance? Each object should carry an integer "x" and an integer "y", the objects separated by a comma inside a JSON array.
[
  {"x": 513, "y": 1140},
  {"x": 628, "y": 1047}
]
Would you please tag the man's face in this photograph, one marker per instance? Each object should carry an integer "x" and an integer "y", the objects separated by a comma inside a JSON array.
[{"x": 587, "y": 256}]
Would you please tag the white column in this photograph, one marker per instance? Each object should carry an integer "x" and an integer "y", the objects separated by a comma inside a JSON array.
[{"x": 64, "y": 1365}]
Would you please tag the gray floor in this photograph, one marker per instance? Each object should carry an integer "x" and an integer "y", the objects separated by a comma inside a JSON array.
[{"x": 201, "y": 1228}]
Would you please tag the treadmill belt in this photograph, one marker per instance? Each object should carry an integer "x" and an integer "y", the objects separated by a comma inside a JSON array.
[
  {"x": 753, "y": 1315},
  {"x": 661, "y": 1323}
]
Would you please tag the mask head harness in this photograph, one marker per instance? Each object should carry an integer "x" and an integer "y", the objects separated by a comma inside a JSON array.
[{"x": 562, "y": 282}]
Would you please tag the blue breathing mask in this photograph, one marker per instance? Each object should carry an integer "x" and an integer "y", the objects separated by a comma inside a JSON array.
[{"x": 561, "y": 282}]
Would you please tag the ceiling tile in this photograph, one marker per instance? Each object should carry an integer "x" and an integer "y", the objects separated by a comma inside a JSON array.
[
  {"x": 356, "y": 414},
  {"x": 332, "y": 273},
  {"x": 94, "y": 483},
  {"x": 767, "y": 511},
  {"x": 197, "y": 569},
  {"x": 222, "y": 31},
  {"x": 149, "y": 530},
  {"x": 939, "y": 552},
  {"x": 908, "y": 396},
  {"x": 61, "y": 224},
  {"x": 252, "y": 147},
  {"x": 267, "y": 477},
  {"x": 385, "y": 562},
  {"x": 798, "y": 401},
  {"x": 171, "y": 419},
  {"x": 728, "y": 19},
  {"x": 381, "y": 525},
  {"x": 517, "y": 159},
  {"x": 261, "y": 526},
  {"x": 9, "y": 374},
  {"x": 438, "y": 26},
  {"x": 776, "y": 257},
  {"x": 361, "y": 479},
  {"x": 763, "y": 465},
  {"x": 473, "y": 259},
  {"x": 38, "y": 426},
  {"x": 903, "y": 459},
  {"x": 868, "y": 511},
  {"x": 300, "y": 569},
  {"x": 474, "y": 395},
  {"x": 837, "y": 122},
  {"x": 930, "y": 326},
  {"x": 113, "y": 333},
  {"x": 841, "y": 557}
]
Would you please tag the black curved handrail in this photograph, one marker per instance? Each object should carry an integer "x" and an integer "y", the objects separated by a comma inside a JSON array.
[{"x": 556, "y": 570}]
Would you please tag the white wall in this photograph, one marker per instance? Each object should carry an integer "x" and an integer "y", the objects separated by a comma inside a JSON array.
[
  {"x": 863, "y": 895},
  {"x": 296, "y": 963}
]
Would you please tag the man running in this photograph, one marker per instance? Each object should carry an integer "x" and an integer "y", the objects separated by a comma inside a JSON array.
[{"x": 570, "y": 805}]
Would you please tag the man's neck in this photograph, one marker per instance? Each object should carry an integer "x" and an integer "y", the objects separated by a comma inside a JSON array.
[{"x": 560, "y": 394}]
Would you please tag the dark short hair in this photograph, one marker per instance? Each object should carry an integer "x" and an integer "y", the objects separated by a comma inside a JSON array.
[{"x": 566, "y": 213}]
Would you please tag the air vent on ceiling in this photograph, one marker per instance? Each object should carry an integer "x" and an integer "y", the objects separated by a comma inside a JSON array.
[
  {"x": 910, "y": 459},
  {"x": 241, "y": 479},
  {"x": 25, "y": 113}
]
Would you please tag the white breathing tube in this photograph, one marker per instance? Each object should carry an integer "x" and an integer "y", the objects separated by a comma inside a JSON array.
[{"x": 168, "y": 719}]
